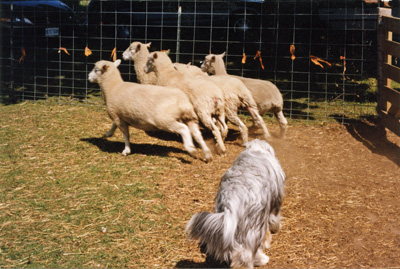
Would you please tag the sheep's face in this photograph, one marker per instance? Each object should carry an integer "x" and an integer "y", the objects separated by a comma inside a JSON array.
[
  {"x": 208, "y": 64},
  {"x": 134, "y": 49},
  {"x": 100, "y": 68},
  {"x": 95, "y": 74},
  {"x": 150, "y": 65}
]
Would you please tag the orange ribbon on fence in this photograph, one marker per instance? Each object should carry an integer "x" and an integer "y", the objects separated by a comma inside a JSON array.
[
  {"x": 244, "y": 58},
  {"x": 292, "y": 50},
  {"x": 318, "y": 61},
  {"x": 344, "y": 64},
  {"x": 114, "y": 54},
  {"x": 23, "y": 55},
  {"x": 258, "y": 55},
  {"x": 87, "y": 51},
  {"x": 64, "y": 50}
]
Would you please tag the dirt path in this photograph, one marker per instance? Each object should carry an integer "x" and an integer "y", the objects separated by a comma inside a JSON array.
[{"x": 342, "y": 199}]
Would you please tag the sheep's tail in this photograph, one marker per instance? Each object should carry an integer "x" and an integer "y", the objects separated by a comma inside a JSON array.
[{"x": 215, "y": 232}]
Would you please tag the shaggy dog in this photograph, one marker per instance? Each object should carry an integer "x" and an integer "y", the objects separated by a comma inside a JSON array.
[{"x": 247, "y": 209}]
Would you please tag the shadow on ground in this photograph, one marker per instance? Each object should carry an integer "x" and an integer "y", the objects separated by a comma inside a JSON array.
[
  {"x": 206, "y": 264},
  {"x": 374, "y": 137},
  {"x": 145, "y": 149}
]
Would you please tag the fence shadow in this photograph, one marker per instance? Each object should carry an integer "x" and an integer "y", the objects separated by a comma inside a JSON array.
[{"x": 374, "y": 137}]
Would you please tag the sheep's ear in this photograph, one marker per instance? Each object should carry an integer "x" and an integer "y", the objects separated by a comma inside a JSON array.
[
  {"x": 148, "y": 44},
  {"x": 223, "y": 54},
  {"x": 104, "y": 68},
  {"x": 168, "y": 51},
  {"x": 117, "y": 62},
  {"x": 155, "y": 56}
]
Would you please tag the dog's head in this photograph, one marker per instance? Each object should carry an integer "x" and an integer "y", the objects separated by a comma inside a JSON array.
[{"x": 262, "y": 146}]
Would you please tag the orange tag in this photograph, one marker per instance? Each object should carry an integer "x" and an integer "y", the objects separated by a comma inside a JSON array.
[
  {"x": 23, "y": 55},
  {"x": 63, "y": 49},
  {"x": 344, "y": 63},
  {"x": 318, "y": 61},
  {"x": 87, "y": 51},
  {"x": 292, "y": 50},
  {"x": 244, "y": 58},
  {"x": 114, "y": 54},
  {"x": 258, "y": 55}
]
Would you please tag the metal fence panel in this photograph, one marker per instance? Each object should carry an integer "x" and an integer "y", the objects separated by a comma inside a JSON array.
[{"x": 320, "y": 53}]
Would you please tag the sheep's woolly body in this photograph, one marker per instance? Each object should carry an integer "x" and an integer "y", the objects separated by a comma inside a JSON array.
[
  {"x": 147, "y": 107},
  {"x": 247, "y": 206},
  {"x": 266, "y": 95},
  {"x": 238, "y": 96},
  {"x": 190, "y": 70},
  {"x": 206, "y": 97}
]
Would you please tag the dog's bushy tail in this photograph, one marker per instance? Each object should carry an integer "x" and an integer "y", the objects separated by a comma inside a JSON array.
[{"x": 215, "y": 232}]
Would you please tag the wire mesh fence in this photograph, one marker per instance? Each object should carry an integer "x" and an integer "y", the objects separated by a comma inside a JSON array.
[{"x": 320, "y": 53}]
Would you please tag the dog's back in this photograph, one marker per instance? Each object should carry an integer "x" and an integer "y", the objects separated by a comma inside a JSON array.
[{"x": 249, "y": 192}]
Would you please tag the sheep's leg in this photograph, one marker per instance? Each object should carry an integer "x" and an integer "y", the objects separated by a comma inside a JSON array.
[
  {"x": 125, "y": 131},
  {"x": 209, "y": 124},
  {"x": 195, "y": 131},
  {"x": 223, "y": 127},
  {"x": 110, "y": 132},
  {"x": 234, "y": 119},
  {"x": 283, "y": 124},
  {"x": 259, "y": 121},
  {"x": 184, "y": 131}
]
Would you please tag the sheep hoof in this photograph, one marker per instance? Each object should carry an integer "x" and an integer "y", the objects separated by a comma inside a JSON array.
[
  {"x": 193, "y": 154},
  {"x": 107, "y": 135},
  {"x": 126, "y": 152},
  {"x": 209, "y": 159}
]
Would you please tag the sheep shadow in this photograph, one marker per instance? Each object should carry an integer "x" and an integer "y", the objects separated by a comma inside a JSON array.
[
  {"x": 145, "y": 149},
  {"x": 373, "y": 136}
]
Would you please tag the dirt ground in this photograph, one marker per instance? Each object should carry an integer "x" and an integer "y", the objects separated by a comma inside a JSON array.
[
  {"x": 342, "y": 201},
  {"x": 63, "y": 184}
]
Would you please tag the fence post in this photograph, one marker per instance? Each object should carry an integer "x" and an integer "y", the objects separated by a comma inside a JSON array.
[
  {"x": 12, "y": 90},
  {"x": 178, "y": 41},
  {"x": 381, "y": 54}
]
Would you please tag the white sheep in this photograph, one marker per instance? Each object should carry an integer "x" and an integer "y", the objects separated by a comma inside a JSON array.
[
  {"x": 238, "y": 96},
  {"x": 190, "y": 70},
  {"x": 206, "y": 97},
  {"x": 147, "y": 107},
  {"x": 139, "y": 52},
  {"x": 265, "y": 93}
]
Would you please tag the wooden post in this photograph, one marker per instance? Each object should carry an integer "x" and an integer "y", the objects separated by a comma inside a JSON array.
[{"x": 381, "y": 54}]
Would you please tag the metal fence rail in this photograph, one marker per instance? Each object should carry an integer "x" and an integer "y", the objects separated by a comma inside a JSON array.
[{"x": 321, "y": 54}]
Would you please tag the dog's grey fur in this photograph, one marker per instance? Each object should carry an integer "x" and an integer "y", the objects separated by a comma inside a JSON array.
[{"x": 247, "y": 209}]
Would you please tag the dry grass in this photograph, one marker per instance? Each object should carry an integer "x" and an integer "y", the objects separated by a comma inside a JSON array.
[{"x": 68, "y": 198}]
